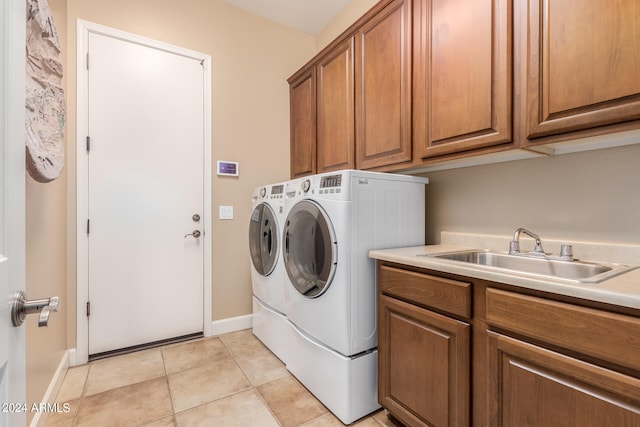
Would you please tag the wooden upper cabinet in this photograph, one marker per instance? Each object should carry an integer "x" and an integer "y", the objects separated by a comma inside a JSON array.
[
  {"x": 462, "y": 75},
  {"x": 302, "y": 93},
  {"x": 383, "y": 87},
  {"x": 583, "y": 67},
  {"x": 336, "y": 129}
]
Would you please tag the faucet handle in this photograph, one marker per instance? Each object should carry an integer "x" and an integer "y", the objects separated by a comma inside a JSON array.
[{"x": 566, "y": 252}]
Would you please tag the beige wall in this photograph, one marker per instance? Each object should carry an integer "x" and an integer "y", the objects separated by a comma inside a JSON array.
[
  {"x": 46, "y": 246},
  {"x": 348, "y": 16},
  {"x": 593, "y": 195}
]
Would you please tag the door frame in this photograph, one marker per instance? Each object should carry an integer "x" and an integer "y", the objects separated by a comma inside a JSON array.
[
  {"x": 13, "y": 196},
  {"x": 82, "y": 190}
]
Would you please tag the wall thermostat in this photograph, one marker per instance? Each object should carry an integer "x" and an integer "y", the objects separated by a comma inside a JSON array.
[{"x": 228, "y": 168}]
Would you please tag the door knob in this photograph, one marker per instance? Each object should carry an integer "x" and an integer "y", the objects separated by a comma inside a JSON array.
[
  {"x": 196, "y": 234},
  {"x": 20, "y": 307}
]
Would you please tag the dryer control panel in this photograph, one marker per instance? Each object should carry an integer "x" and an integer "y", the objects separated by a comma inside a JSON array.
[
  {"x": 331, "y": 184},
  {"x": 331, "y": 181}
]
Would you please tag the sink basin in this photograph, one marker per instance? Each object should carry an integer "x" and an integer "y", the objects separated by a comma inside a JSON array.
[{"x": 577, "y": 271}]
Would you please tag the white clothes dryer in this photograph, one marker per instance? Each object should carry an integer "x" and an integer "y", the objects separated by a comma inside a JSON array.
[
  {"x": 267, "y": 269},
  {"x": 332, "y": 222}
]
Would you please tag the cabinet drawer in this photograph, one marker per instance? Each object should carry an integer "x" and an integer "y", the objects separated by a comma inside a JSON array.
[
  {"x": 448, "y": 295},
  {"x": 603, "y": 335}
]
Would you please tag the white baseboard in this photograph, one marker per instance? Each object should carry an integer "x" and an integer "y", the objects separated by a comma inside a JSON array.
[
  {"x": 73, "y": 357},
  {"x": 40, "y": 419},
  {"x": 230, "y": 324}
]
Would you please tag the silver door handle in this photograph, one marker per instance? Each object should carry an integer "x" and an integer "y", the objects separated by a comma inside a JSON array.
[
  {"x": 196, "y": 234},
  {"x": 20, "y": 307}
]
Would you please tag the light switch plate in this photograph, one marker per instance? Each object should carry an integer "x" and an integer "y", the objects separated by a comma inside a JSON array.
[{"x": 225, "y": 212}]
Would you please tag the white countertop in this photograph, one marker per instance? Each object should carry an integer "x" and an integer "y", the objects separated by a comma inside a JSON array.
[{"x": 622, "y": 290}]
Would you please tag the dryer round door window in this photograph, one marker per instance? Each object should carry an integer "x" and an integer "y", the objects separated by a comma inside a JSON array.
[
  {"x": 263, "y": 239},
  {"x": 309, "y": 249}
]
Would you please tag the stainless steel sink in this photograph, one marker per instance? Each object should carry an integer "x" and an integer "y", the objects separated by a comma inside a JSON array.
[{"x": 576, "y": 271}]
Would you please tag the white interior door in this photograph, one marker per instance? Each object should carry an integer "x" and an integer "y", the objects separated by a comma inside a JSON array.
[
  {"x": 145, "y": 194},
  {"x": 12, "y": 173}
]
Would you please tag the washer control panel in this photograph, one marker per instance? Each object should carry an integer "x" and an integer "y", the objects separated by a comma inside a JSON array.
[
  {"x": 277, "y": 191},
  {"x": 270, "y": 192}
]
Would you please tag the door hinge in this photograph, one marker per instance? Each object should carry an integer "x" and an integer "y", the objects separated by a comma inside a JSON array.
[
  {"x": 88, "y": 225},
  {"x": 88, "y": 144},
  {"x": 87, "y": 60},
  {"x": 88, "y": 309}
]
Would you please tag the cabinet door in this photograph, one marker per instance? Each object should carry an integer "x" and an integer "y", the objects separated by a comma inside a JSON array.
[
  {"x": 423, "y": 365},
  {"x": 535, "y": 387},
  {"x": 462, "y": 75},
  {"x": 302, "y": 94},
  {"x": 335, "y": 109},
  {"x": 583, "y": 64},
  {"x": 383, "y": 87}
]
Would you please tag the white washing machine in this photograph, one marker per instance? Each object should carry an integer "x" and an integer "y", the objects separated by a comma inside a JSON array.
[
  {"x": 332, "y": 221},
  {"x": 270, "y": 324}
]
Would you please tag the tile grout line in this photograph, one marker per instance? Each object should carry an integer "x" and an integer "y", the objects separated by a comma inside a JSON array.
[
  {"x": 253, "y": 386},
  {"x": 166, "y": 378},
  {"x": 81, "y": 401}
]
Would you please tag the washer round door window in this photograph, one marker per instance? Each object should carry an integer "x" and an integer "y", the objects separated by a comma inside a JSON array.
[
  {"x": 263, "y": 239},
  {"x": 309, "y": 249}
]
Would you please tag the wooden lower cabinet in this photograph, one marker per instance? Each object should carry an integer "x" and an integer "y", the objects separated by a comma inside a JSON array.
[
  {"x": 460, "y": 351},
  {"x": 553, "y": 363},
  {"x": 536, "y": 387},
  {"x": 423, "y": 365}
]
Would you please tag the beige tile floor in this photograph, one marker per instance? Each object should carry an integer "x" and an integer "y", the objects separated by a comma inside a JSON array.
[{"x": 228, "y": 380}]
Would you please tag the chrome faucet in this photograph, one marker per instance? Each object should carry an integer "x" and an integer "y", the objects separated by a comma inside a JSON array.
[
  {"x": 514, "y": 246},
  {"x": 566, "y": 250}
]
